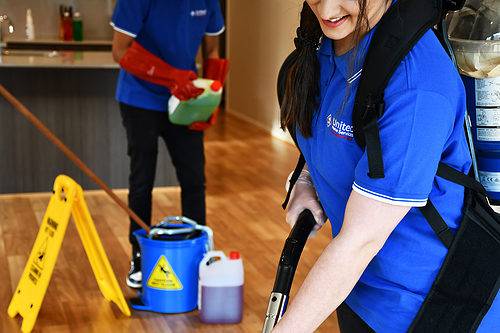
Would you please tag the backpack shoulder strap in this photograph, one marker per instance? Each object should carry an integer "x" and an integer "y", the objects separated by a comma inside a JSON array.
[
  {"x": 399, "y": 30},
  {"x": 447, "y": 172},
  {"x": 438, "y": 225},
  {"x": 430, "y": 212}
]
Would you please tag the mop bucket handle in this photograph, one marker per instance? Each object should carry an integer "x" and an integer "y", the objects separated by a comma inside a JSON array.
[{"x": 191, "y": 225}]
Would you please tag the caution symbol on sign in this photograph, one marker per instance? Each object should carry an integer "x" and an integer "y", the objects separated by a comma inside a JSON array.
[
  {"x": 163, "y": 276},
  {"x": 40, "y": 254}
]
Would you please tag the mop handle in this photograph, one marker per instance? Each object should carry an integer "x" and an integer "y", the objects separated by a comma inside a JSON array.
[
  {"x": 289, "y": 260},
  {"x": 69, "y": 154}
]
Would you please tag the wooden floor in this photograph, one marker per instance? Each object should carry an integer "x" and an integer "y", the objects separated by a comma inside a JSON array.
[{"x": 246, "y": 169}]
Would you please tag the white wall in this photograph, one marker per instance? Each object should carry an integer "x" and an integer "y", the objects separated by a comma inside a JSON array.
[{"x": 260, "y": 36}]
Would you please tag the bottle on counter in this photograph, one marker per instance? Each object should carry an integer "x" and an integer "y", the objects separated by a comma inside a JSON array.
[
  {"x": 61, "y": 22},
  {"x": 67, "y": 23},
  {"x": 77, "y": 27},
  {"x": 30, "y": 27}
]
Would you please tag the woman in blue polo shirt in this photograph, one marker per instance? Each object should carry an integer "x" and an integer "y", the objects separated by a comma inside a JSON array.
[
  {"x": 171, "y": 30},
  {"x": 381, "y": 263}
]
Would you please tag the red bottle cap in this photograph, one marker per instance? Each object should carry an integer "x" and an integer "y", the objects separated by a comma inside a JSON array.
[
  {"x": 216, "y": 85},
  {"x": 234, "y": 255}
]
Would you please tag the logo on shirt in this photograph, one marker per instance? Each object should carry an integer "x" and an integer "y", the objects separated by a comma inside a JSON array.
[
  {"x": 339, "y": 128},
  {"x": 151, "y": 71},
  {"x": 199, "y": 13}
]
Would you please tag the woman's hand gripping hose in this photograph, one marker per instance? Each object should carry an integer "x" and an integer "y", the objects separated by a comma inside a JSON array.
[{"x": 304, "y": 197}]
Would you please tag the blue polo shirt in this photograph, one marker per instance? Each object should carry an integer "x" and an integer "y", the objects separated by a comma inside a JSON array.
[
  {"x": 170, "y": 29},
  {"x": 422, "y": 125}
]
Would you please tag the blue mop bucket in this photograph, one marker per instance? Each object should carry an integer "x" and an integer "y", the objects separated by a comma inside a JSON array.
[{"x": 171, "y": 255}]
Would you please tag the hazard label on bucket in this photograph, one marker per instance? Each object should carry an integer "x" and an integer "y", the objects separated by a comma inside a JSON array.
[{"x": 163, "y": 276}]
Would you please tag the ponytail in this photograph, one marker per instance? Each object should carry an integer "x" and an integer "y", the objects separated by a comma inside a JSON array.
[{"x": 302, "y": 75}]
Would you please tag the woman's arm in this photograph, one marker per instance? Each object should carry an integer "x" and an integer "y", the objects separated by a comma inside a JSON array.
[{"x": 367, "y": 225}]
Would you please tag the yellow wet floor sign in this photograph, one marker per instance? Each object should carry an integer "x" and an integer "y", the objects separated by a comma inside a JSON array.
[
  {"x": 163, "y": 276},
  {"x": 67, "y": 200}
]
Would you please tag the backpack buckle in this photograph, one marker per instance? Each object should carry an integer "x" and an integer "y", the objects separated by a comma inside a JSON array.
[{"x": 373, "y": 110}]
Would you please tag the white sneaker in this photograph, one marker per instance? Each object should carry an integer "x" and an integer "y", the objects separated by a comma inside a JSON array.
[{"x": 134, "y": 276}]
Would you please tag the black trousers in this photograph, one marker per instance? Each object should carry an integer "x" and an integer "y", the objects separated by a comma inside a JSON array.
[
  {"x": 350, "y": 322},
  {"x": 186, "y": 150}
]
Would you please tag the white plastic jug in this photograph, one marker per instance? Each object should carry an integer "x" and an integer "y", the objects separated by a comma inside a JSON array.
[
  {"x": 196, "y": 109},
  {"x": 221, "y": 288}
]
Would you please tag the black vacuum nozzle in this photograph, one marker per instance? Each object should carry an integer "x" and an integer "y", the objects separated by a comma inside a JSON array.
[
  {"x": 289, "y": 260},
  {"x": 292, "y": 250}
]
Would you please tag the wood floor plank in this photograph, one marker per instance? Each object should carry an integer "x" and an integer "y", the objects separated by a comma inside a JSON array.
[{"x": 246, "y": 170}]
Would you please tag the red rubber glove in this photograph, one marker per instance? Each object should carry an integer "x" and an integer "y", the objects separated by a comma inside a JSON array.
[
  {"x": 146, "y": 66},
  {"x": 203, "y": 125},
  {"x": 214, "y": 69}
]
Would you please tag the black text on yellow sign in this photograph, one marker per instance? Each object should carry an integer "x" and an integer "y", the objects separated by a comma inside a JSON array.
[
  {"x": 163, "y": 276},
  {"x": 66, "y": 201}
]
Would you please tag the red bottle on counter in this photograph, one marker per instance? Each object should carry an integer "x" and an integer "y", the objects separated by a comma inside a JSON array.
[
  {"x": 67, "y": 27},
  {"x": 66, "y": 24}
]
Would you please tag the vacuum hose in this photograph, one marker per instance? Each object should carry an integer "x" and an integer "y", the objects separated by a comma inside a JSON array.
[{"x": 286, "y": 269}]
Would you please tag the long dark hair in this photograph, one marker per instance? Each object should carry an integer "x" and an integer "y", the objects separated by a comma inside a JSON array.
[{"x": 300, "y": 99}]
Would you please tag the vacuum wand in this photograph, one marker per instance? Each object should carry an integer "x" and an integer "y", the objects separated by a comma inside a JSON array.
[
  {"x": 69, "y": 154},
  {"x": 286, "y": 269}
]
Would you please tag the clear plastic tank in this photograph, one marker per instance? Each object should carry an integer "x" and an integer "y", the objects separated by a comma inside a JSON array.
[{"x": 474, "y": 33}]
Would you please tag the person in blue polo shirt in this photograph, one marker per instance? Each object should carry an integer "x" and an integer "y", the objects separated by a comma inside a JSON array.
[
  {"x": 384, "y": 257},
  {"x": 164, "y": 35}
]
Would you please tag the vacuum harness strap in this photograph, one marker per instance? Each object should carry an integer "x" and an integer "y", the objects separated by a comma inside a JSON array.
[
  {"x": 430, "y": 212},
  {"x": 469, "y": 278},
  {"x": 398, "y": 31},
  {"x": 438, "y": 225},
  {"x": 374, "y": 149}
]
